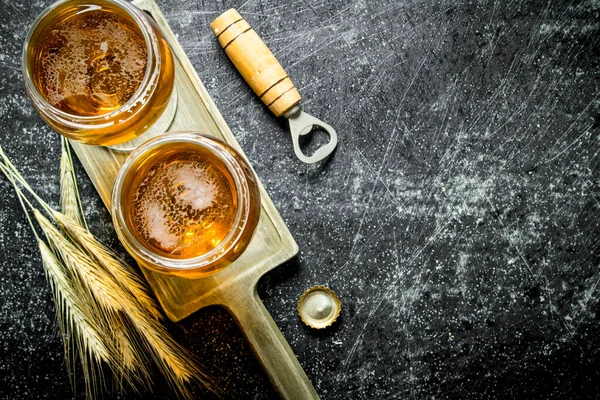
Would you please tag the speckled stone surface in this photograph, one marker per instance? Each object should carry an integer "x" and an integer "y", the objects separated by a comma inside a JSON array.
[{"x": 458, "y": 221}]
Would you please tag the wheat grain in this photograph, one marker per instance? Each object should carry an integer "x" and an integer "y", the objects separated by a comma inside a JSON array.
[
  {"x": 69, "y": 199},
  {"x": 73, "y": 317},
  {"x": 102, "y": 305},
  {"x": 121, "y": 271},
  {"x": 179, "y": 368}
]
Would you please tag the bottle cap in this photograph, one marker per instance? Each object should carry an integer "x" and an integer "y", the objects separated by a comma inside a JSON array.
[{"x": 319, "y": 307}]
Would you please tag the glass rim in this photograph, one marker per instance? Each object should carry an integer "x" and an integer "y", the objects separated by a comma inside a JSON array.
[
  {"x": 151, "y": 49},
  {"x": 233, "y": 236}
]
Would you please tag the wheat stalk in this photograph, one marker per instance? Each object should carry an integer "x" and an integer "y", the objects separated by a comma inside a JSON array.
[
  {"x": 72, "y": 222},
  {"x": 122, "y": 321},
  {"x": 103, "y": 296},
  {"x": 176, "y": 365},
  {"x": 121, "y": 272},
  {"x": 73, "y": 317},
  {"x": 178, "y": 368},
  {"x": 73, "y": 313}
]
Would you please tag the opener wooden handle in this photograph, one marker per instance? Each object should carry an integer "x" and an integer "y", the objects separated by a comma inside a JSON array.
[{"x": 255, "y": 62}]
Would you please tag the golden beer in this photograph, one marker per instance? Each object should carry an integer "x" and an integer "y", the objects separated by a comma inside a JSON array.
[
  {"x": 99, "y": 72},
  {"x": 91, "y": 63},
  {"x": 185, "y": 204}
]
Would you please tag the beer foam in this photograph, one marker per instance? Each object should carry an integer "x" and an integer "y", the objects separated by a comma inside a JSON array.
[
  {"x": 95, "y": 58},
  {"x": 177, "y": 200},
  {"x": 157, "y": 226},
  {"x": 200, "y": 188}
]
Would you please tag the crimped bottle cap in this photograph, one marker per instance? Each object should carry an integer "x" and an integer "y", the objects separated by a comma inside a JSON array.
[{"x": 319, "y": 307}]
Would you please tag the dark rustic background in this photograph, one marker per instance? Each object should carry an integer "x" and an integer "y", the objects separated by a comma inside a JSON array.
[{"x": 459, "y": 219}]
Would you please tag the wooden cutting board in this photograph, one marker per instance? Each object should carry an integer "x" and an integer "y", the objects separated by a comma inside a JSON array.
[{"x": 234, "y": 287}]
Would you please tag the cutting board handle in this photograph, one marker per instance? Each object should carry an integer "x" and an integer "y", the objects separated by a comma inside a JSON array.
[{"x": 269, "y": 346}]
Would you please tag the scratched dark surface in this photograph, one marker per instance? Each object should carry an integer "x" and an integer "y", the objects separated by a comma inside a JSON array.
[{"x": 458, "y": 221}]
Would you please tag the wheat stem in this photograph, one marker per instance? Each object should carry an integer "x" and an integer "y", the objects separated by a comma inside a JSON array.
[
  {"x": 175, "y": 365},
  {"x": 104, "y": 296},
  {"x": 77, "y": 195},
  {"x": 21, "y": 197},
  {"x": 141, "y": 310},
  {"x": 9, "y": 167}
]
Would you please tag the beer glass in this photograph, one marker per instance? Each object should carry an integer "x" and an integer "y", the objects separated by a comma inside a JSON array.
[
  {"x": 98, "y": 71},
  {"x": 185, "y": 204}
]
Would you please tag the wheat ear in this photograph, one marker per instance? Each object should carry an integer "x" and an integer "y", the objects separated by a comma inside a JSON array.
[
  {"x": 72, "y": 222},
  {"x": 121, "y": 271},
  {"x": 73, "y": 316},
  {"x": 70, "y": 203},
  {"x": 124, "y": 357},
  {"x": 109, "y": 301},
  {"x": 171, "y": 358},
  {"x": 178, "y": 368}
]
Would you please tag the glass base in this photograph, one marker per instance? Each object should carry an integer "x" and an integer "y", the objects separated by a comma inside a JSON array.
[{"x": 160, "y": 126}]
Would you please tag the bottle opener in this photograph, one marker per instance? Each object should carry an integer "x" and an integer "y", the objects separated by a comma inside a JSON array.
[{"x": 265, "y": 75}]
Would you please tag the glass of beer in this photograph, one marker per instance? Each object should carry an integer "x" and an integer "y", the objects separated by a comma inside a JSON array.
[
  {"x": 98, "y": 71},
  {"x": 185, "y": 204}
]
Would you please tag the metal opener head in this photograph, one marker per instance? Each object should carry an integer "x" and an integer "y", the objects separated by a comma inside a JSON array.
[{"x": 302, "y": 124}]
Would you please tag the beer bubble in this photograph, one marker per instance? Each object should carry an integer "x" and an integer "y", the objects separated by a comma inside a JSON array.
[
  {"x": 184, "y": 205},
  {"x": 92, "y": 64}
]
